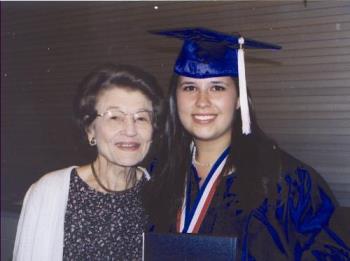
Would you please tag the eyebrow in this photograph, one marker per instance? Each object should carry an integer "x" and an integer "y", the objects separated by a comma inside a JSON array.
[
  {"x": 212, "y": 82},
  {"x": 219, "y": 82},
  {"x": 139, "y": 110},
  {"x": 186, "y": 82},
  {"x": 113, "y": 107}
]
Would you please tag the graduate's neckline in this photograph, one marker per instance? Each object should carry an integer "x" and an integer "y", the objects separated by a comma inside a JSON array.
[{"x": 196, "y": 163}]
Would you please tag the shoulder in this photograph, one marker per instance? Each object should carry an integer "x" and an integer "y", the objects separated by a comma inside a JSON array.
[
  {"x": 51, "y": 182},
  {"x": 296, "y": 173},
  {"x": 291, "y": 166},
  {"x": 270, "y": 154},
  {"x": 284, "y": 168},
  {"x": 54, "y": 177},
  {"x": 50, "y": 188}
]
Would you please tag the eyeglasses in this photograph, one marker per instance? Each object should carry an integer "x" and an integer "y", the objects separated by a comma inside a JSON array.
[{"x": 115, "y": 118}]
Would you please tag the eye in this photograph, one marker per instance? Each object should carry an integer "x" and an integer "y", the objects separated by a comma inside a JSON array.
[
  {"x": 140, "y": 118},
  {"x": 189, "y": 88},
  {"x": 143, "y": 117},
  {"x": 218, "y": 88},
  {"x": 115, "y": 116}
]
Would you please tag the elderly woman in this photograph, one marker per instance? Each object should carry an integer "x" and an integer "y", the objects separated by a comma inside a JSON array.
[
  {"x": 225, "y": 177},
  {"x": 94, "y": 212}
]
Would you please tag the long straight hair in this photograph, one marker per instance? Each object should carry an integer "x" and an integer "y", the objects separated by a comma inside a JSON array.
[{"x": 174, "y": 161}]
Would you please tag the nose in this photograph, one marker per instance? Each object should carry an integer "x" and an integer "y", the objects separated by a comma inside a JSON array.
[
  {"x": 130, "y": 127},
  {"x": 203, "y": 99}
]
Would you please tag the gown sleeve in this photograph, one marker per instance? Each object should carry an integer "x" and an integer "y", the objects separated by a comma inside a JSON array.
[{"x": 302, "y": 223}]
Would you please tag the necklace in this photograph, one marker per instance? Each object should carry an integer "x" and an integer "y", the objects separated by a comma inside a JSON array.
[
  {"x": 99, "y": 181},
  {"x": 201, "y": 164},
  {"x": 208, "y": 165}
]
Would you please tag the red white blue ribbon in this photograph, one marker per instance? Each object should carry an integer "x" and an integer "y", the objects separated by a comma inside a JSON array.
[{"x": 190, "y": 220}]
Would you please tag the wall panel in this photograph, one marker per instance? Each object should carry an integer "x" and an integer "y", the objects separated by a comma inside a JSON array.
[{"x": 301, "y": 93}]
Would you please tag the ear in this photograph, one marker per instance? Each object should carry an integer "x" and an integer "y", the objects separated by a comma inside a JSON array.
[
  {"x": 238, "y": 104},
  {"x": 90, "y": 132}
]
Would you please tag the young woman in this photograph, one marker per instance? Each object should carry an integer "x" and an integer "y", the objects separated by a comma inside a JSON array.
[
  {"x": 223, "y": 176},
  {"x": 95, "y": 212}
]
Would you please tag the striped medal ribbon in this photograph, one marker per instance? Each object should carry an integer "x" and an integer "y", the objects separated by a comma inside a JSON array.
[{"x": 190, "y": 220}]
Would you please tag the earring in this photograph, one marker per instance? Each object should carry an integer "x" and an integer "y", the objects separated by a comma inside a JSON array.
[{"x": 92, "y": 142}]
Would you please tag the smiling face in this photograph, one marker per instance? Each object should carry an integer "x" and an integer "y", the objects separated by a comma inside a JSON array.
[
  {"x": 123, "y": 138},
  {"x": 207, "y": 107}
]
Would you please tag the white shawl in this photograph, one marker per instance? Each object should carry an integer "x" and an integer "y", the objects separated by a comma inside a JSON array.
[
  {"x": 40, "y": 230},
  {"x": 40, "y": 227}
]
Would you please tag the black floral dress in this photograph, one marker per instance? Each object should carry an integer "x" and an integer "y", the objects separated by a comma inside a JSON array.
[{"x": 103, "y": 226}]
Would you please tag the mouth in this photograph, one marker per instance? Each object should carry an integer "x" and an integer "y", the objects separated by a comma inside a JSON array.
[
  {"x": 204, "y": 118},
  {"x": 128, "y": 146}
]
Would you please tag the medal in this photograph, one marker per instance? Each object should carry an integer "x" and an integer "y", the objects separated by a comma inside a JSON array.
[{"x": 190, "y": 219}]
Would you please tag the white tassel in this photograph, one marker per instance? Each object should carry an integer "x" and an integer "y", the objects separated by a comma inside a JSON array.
[{"x": 243, "y": 97}]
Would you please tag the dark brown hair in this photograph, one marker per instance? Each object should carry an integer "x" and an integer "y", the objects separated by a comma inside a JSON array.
[
  {"x": 111, "y": 76},
  {"x": 175, "y": 160}
]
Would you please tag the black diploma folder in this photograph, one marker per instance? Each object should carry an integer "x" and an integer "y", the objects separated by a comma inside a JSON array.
[{"x": 171, "y": 247}]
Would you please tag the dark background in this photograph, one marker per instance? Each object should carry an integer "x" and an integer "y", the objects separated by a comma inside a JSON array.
[{"x": 301, "y": 94}]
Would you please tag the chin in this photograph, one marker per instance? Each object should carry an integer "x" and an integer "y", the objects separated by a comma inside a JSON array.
[
  {"x": 204, "y": 136},
  {"x": 210, "y": 136},
  {"x": 129, "y": 161}
]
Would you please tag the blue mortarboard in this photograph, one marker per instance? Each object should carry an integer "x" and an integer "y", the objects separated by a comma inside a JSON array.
[{"x": 206, "y": 53}]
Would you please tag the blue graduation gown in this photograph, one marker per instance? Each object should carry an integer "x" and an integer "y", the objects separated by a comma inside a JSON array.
[{"x": 298, "y": 223}]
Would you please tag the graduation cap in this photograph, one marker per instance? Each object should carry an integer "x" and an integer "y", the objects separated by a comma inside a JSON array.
[{"x": 206, "y": 53}]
